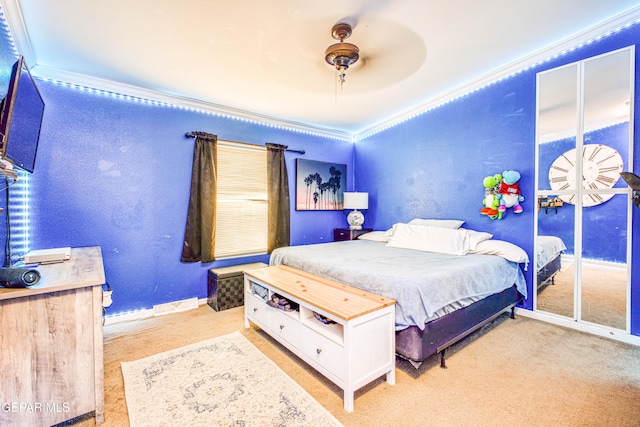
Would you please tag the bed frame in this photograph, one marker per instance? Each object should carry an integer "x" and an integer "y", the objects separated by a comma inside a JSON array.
[
  {"x": 416, "y": 345},
  {"x": 546, "y": 274}
]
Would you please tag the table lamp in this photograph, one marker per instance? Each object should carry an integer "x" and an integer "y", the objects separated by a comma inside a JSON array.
[{"x": 356, "y": 201}]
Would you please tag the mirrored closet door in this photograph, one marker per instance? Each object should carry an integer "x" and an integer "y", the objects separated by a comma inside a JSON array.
[{"x": 583, "y": 219}]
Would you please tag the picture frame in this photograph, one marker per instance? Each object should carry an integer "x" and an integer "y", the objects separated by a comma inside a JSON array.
[{"x": 320, "y": 186}]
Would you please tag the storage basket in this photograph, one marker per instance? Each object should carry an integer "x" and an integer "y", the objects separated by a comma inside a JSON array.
[{"x": 225, "y": 285}]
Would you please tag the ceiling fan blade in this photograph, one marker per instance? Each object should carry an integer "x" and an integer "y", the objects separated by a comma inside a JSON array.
[{"x": 632, "y": 180}]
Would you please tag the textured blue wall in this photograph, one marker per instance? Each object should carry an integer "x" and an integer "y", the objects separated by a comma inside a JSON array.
[
  {"x": 433, "y": 165},
  {"x": 116, "y": 173}
]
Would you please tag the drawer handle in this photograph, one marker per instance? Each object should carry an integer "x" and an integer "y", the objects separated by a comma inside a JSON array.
[
  {"x": 318, "y": 350},
  {"x": 255, "y": 309},
  {"x": 281, "y": 327}
]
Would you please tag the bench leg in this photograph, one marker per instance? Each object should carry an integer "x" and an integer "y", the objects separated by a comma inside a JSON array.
[
  {"x": 391, "y": 376},
  {"x": 348, "y": 400}
]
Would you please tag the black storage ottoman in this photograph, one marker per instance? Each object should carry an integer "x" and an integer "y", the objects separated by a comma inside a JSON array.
[{"x": 225, "y": 285}]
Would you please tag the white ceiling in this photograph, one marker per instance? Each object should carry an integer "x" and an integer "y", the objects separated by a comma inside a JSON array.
[{"x": 266, "y": 57}]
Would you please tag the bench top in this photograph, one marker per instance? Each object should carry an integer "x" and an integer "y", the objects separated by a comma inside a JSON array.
[{"x": 337, "y": 299}]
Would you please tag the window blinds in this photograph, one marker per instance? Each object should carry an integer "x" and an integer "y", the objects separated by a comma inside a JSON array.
[{"x": 242, "y": 211}]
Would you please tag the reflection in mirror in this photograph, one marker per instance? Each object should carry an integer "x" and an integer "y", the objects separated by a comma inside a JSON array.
[
  {"x": 555, "y": 261},
  {"x": 557, "y": 112},
  {"x": 604, "y": 272},
  {"x": 606, "y": 91},
  {"x": 557, "y": 105},
  {"x": 584, "y": 138}
]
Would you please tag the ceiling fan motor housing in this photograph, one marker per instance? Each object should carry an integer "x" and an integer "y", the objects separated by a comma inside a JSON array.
[{"x": 341, "y": 55}]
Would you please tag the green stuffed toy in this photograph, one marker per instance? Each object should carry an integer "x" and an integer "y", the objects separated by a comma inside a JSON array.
[{"x": 491, "y": 199}]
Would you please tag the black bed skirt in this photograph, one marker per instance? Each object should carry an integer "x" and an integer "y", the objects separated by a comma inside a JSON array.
[{"x": 417, "y": 345}]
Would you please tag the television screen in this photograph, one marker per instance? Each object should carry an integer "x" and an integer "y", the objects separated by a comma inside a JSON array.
[{"x": 21, "y": 117}]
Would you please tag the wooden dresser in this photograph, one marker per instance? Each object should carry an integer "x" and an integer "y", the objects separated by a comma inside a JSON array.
[{"x": 51, "y": 356}]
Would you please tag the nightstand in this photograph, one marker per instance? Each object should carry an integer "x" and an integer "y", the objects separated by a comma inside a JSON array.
[{"x": 341, "y": 234}]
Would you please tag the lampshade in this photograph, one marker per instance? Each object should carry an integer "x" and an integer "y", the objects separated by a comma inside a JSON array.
[{"x": 356, "y": 200}]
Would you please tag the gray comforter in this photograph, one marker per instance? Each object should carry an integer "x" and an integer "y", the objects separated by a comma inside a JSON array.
[{"x": 422, "y": 283}]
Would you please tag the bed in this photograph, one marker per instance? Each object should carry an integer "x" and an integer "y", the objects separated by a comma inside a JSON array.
[
  {"x": 447, "y": 282},
  {"x": 548, "y": 259}
]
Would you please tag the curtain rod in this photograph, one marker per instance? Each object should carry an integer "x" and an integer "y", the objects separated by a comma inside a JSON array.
[{"x": 191, "y": 135}]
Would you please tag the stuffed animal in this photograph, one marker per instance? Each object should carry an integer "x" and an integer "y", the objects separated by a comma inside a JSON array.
[
  {"x": 491, "y": 199},
  {"x": 509, "y": 192}
]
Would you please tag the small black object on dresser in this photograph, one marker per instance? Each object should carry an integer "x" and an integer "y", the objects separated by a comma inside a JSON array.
[
  {"x": 13, "y": 277},
  {"x": 340, "y": 234},
  {"x": 225, "y": 285}
]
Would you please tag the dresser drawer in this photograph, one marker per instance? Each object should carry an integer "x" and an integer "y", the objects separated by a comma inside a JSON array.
[
  {"x": 284, "y": 325},
  {"x": 256, "y": 309},
  {"x": 324, "y": 352},
  {"x": 342, "y": 234}
]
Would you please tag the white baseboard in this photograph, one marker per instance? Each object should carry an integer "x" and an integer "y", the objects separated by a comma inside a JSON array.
[
  {"x": 175, "y": 306},
  {"x": 127, "y": 317}
]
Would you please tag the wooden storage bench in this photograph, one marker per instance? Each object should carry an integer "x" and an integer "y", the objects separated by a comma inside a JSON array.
[{"x": 355, "y": 350}]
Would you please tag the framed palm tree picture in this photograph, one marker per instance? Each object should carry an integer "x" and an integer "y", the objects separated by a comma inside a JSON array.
[{"x": 320, "y": 186}]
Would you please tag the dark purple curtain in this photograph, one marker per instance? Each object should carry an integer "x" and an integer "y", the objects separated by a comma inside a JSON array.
[{"x": 200, "y": 231}]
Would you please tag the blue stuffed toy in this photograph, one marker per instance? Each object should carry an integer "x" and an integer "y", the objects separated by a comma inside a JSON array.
[{"x": 509, "y": 192}]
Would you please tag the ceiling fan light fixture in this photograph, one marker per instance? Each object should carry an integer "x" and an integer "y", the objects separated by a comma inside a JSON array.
[{"x": 341, "y": 55}]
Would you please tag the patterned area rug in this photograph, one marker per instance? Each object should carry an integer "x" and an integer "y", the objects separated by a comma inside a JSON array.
[{"x": 221, "y": 381}]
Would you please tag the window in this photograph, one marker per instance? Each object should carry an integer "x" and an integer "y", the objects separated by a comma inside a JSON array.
[{"x": 242, "y": 209}]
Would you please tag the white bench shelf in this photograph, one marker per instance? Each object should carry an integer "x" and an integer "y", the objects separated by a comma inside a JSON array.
[{"x": 355, "y": 350}]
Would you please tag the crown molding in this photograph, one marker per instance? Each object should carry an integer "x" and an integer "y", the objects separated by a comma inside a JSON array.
[
  {"x": 136, "y": 92},
  {"x": 592, "y": 34},
  {"x": 14, "y": 22}
]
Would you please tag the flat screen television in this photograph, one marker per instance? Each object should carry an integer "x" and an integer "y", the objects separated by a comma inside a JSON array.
[{"x": 21, "y": 118}]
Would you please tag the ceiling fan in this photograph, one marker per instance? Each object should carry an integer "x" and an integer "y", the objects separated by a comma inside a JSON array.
[
  {"x": 371, "y": 53},
  {"x": 341, "y": 55}
]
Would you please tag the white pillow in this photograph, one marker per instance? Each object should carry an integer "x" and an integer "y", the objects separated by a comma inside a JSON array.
[
  {"x": 446, "y": 223},
  {"x": 430, "y": 239},
  {"x": 506, "y": 250},
  {"x": 389, "y": 232},
  {"x": 476, "y": 237},
  {"x": 375, "y": 236}
]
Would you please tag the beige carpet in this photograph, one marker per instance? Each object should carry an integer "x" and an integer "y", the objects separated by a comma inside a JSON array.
[
  {"x": 221, "y": 381},
  {"x": 520, "y": 372}
]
